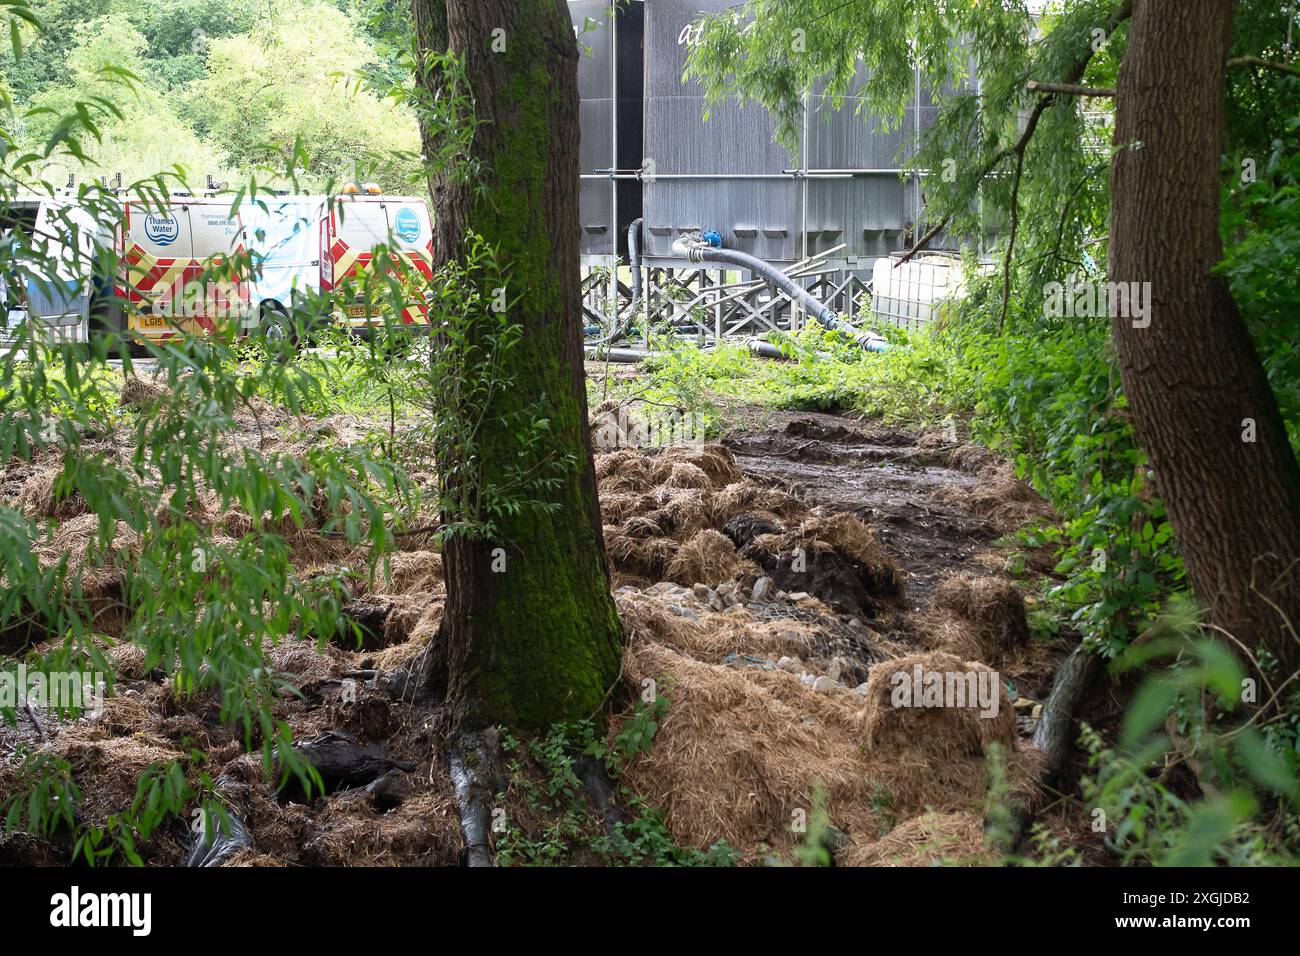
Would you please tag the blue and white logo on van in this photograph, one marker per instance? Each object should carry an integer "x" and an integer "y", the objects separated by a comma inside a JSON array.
[
  {"x": 407, "y": 225},
  {"x": 161, "y": 230}
]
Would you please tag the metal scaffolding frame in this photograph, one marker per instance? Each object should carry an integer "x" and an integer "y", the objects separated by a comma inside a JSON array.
[{"x": 710, "y": 304}]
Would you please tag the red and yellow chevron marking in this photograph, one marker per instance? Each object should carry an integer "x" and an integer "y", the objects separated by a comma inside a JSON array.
[
  {"x": 349, "y": 263},
  {"x": 149, "y": 278}
]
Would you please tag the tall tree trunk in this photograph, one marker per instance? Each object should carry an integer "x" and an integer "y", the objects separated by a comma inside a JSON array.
[
  {"x": 538, "y": 640},
  {"x": 1194, "y": 382}
]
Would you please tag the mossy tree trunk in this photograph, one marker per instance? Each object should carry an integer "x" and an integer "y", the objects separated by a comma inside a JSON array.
[
  {"x": 1201, "y": 401},
  {"x": 530, "y": 634}
]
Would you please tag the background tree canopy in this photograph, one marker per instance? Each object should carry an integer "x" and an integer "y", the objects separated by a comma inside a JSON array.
[{"x": 221, "y": 87}]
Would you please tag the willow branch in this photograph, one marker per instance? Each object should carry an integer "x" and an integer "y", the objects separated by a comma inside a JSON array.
[{"x": 1076, "y": 71}]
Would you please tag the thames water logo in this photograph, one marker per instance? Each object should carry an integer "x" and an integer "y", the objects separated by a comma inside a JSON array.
[
  {"x": 407, "y": 225},
  {"x": 161, "y": 230}
]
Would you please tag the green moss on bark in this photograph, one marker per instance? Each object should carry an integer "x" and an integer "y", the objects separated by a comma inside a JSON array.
[{"x": 544, "y": 638}]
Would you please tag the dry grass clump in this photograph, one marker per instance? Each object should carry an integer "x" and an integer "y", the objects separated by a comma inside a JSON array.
[
  {"x": 931, "y": 839},
  {"x": 617, "y": 506},
  {"x": 40, "y": 496},
  {"x": 407, "y": 629},
  {"x": 663, "y": 511},
  {"x": 708, "y": 557},
  {"x": 422, "y": 830},
  {"x": 941, "y": 733},
  {"x": 412, "y": 617},
  {"x": 127, "y": 659},
  {"x": 992, "y": 609},
  {"x": 108, "y": 772},
  {"x": 235, "y": 522},
  {"x": 687, "y": 509},
  {"x": 969, "y": 458},
  {"x": 943, "y": 632},
  {"x": 714, "y": 460},
  {"x": 998, "y": 495},
  {"x": 94, "y": 563},
  {"x": 739, "y": 751},
  {"x": 649, "y": 619},
  {"x": 625, "y": 470},
  {"x": 646, "y": 557},
  {"x": 631, "y": 470},
  {"x": 250, "y": 857},
  {"x": 646, "y": 619},
  {"x": 742, "y": 496},
  {"x": 409, "y": 572},
  {"x": 305, "y": 662},
  {"x": 124, "y": 715},
  {"x": 642, "y": 526},
  {"x": 847, "y": 534},
  {"x": 681, "y": 474},
  {"x": 138, "y": 394}
]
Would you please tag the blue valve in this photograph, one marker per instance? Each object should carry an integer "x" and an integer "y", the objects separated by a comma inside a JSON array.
[{"x": 712, "y": 237}]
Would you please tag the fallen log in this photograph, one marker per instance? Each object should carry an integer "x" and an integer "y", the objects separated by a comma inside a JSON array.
[{"x": 344, "y": 761}]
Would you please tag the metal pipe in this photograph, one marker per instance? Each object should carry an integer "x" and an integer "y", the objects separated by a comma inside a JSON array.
[
  {"x": 771, "y": 350},
  {"x": 623, "y": 322},
  {"x": 598, "y": 354},
  {"x": 696, "y": 249},
  {"x": 634, "y": 260}
]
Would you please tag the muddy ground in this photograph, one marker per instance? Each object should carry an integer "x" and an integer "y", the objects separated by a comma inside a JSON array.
[{"x": 776, "y": 666}]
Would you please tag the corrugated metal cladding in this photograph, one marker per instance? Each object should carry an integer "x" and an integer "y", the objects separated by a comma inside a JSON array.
[
  {"x": 728, "y": 173},
  {"x": 610, "y": 83}
]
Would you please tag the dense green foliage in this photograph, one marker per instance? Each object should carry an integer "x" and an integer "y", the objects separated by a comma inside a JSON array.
[{"x": 218, "y": 87}]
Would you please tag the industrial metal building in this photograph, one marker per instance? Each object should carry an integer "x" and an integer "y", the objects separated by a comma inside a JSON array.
[{"x": 823, "y": 213}]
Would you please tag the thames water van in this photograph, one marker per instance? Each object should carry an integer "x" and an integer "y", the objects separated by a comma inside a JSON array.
[
  {"x": 355, "y": 226},
  {"x": 170, "y": 259}
]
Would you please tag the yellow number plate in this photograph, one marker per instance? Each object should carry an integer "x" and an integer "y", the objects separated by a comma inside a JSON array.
[
  {"x": 153, "y": 322},
  {"x": 357, "y": 312}
]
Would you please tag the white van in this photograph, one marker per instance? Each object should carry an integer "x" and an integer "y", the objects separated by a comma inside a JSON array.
[
  {"x": 286, "y": 236},
  {"x": 51, "y": 288},
  {"x": 356, "y": 225}
]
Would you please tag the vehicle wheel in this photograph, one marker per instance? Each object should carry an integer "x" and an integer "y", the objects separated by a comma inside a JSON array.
[{"x": 277, "y": 331}]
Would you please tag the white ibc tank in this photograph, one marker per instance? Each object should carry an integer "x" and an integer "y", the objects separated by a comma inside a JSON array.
[{"x": 910, "y": 294}]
